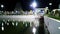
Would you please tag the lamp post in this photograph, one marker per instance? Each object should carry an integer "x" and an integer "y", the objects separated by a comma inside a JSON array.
[
  {"x": 34, "y": 5},
  {"x": 50, "y": 4},
  {"x": 2, "y": 6}
]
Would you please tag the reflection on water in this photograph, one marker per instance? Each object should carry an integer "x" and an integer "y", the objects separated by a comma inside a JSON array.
[
  {"x": 13, "y": 27},
  {"x": 2, "y": 24},
  {"x": 34, "y": 30},
  {"x": 2, "y": 28},
  {"x": 7, "y": 23},
  {"x": 16, "y": 24},
  {"x": 12, "y": 23},
  {"x": 22, "y": 27}
]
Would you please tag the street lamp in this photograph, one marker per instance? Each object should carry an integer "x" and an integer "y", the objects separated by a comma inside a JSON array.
[
  {"x": 34, "y": 4},
  {"x": 2, "y": 6},
  {"x": 50, "y": 3}
]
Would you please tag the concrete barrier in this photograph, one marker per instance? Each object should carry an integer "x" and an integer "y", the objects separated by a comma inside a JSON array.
[{"x": 53, "y": 25}]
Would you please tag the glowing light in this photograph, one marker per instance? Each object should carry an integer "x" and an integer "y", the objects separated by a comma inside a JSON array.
[
  {"x": 46, "y": 7},
  {"x": 16, "y": 23},
  {"x": 2, "y": 6},
  {"x": 2, "y": 28},
  {"x": 12, "y": 23},
  {"x": 58, "y": 27},
  {"x": 34, "y": 30},
  {"x": 7, "y": 23},
  {"x": 50, "y": 3},
  {"x": 34, "y": 4},
  {"x": 54, "y": 10},
  {"x": 2, "y": 24},
  {"x": 26, "y": 25}
]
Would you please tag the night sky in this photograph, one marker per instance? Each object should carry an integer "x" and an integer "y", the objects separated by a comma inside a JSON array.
[{"x": 9, "y": 5}]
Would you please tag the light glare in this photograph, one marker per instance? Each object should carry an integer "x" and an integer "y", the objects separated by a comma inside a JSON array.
[
  {"x": 2, "y": 24},
  {"x": 2, "y": 28},
  {"x": 34, "y": 4},
  {"x": 12, "y": 23},
  {"x": 50, "y": 3},
  {"x": 7, "y": 23},
  {"x": 34, "y": 30},
  {"x": 2, "y": 6},
  {"x": 16, "y": 23}
]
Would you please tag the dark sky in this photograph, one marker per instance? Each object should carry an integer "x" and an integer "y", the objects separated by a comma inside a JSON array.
[{"x": 25, "y": 4}]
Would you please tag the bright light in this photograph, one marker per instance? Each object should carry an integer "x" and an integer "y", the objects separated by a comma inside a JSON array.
[
  {"x": 54, "y": 10},
  {"x": 34, "y": 30},
  {"x": 46, "y": 7},
  {"x": 26, "y": 25},
  {"x": 16, "y": 23},
  {"x": 2, "y": 28},
  {"x": 2, "y": 6},
  {"x": 12, "y": 23},
  {"x": 58, "y": 27},
  {"x": 7, "y": 23},
  {"x": 50, "y": 3},
  {"x": 2, "y": 24},
  {"x": 34, "y": 4}
]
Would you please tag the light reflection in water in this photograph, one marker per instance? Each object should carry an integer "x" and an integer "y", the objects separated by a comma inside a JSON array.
[
  {"x": 12, "y": 23},
  {"x": 16, "y": 23},
  {"x": 7, "y": 23},
  {"x": 26, "y": 25},
  {"x": 2, "y": 24},
  {"x": 34, "y": 30},
  {"x": 2, "y": 28}
]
